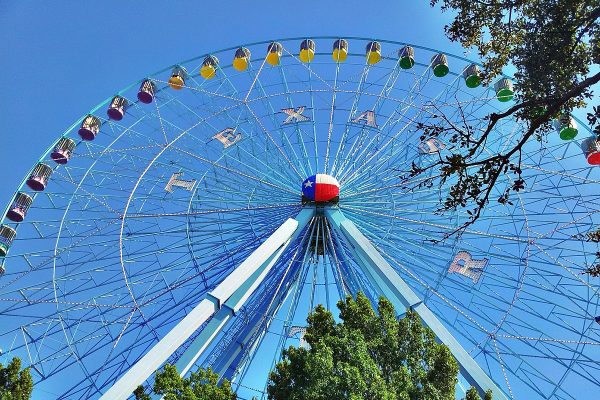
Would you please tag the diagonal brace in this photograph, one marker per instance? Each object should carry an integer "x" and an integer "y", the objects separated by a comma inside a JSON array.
[
  {"x": 229, "y": 296},
  {"x": 391, "y": 285}
]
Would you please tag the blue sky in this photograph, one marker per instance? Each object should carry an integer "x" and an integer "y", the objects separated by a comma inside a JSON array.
[{"x": 60, "y": 59}]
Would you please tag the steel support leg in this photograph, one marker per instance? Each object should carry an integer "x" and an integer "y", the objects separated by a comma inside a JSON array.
[
  {"x": 391, "y": 285},
  {"x": 233, "y": 304},
  {"x": 228, "y": 296}
]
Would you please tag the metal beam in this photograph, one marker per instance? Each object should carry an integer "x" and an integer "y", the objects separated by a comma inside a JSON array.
[
  {"x": 235, "y": 349},
  {"x": 228, "y": 296},
  {"x": 236, "y": 300},
  {"x": 391, "y": 285}
]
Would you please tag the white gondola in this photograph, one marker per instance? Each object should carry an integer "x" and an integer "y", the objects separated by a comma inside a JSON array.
[
  {"x": 90, "y": 126},
  {"x": 7, "y": 236},
  {"x": 63, "y": 150},
  {"x": 19, "y": 207},
  {"x": 116, "y": 109},
  {"x": 39, "y": 177},
  {"x": 146, "y": 91}
]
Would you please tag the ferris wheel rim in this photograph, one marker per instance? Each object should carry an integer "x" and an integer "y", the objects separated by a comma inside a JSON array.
[
  {"x": 189, "y": 208},
  {"x": 226, "y": 49}
]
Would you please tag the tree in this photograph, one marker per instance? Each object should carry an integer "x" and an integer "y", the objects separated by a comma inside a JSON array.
[
  {"x": 552, "y": 44},
  {"x": 201, "y": 385},
  {"x": 366, "y": 356},
  {"x": 473, "y": 395},
  {"x": 15, "y": 384}
]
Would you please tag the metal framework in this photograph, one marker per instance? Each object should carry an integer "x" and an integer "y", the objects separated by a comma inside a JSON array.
[
  {"x": 137, "y": 234},
  {"x": 382, "y": 276}
]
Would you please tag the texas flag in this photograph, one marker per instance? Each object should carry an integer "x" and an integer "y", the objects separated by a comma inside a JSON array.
[{"x": 320, "y": 187}]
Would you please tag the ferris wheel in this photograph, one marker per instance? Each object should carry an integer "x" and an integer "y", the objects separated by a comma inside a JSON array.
[{"x": 199, "y": 214}]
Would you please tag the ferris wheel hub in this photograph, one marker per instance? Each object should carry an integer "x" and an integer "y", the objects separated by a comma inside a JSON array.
[{"x": 320, "y": 188}]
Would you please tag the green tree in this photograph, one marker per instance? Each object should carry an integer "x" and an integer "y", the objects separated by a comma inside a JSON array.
[
  {"x": 201, "y": 385},
  {"x": 473, "y": 395},
  {"x": 366, "y": 356},
  {"x": 15, "y": 384},
  {"x": 553, "y": 45}
]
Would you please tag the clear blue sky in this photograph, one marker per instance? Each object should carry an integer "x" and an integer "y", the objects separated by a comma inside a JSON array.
[{"x": 59, "y": 59}]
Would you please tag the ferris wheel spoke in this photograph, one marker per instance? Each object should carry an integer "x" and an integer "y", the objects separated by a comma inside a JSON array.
[
  {"x": 402, "y": 114},
  {"x": 270, "y": 110},
  {"x": 331, "y": 117},
  {"x": 225, "y": 155},
  {"x": 200, "y": 90},
  {"x": 390, "y": 80},
  {"x": 381, "y": 97},
  {"x": 353, "y": 110},
  {"x": 434, "y": 225},
  {"x": 355, "y": 174},
  {"x": 302, "y": 145},
  {"x": 265, "y": 99},
  {"x": 312, "y": 107},
  {"x": 400, "y": 109},
  {"x": 214, "y": 211},
  {"x": 158, "y": 208},
  {"x": 369, "y": 188},
  {"x": 281, "y": 177},
  {"x": 235, "y": 171},
  {"x": 275, "y": 143}
]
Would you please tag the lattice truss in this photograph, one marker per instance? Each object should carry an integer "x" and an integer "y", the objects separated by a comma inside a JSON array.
[{"x": 147, "y": 218}]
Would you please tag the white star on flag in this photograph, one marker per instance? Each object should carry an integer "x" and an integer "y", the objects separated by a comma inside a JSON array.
[{"x": 308, "y": 184}]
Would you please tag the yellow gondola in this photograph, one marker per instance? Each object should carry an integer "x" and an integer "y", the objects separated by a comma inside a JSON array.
[
  {"x": 373, "y": 53},
  {"x": 307, "y": 50},
  {"x": 178, "y": 76},
  {"x": 340, "y": 50},
  {"x": 274, "y": 52},
  {"x": 209, "y": 67},
  {"x": 241, "y": 60}
]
